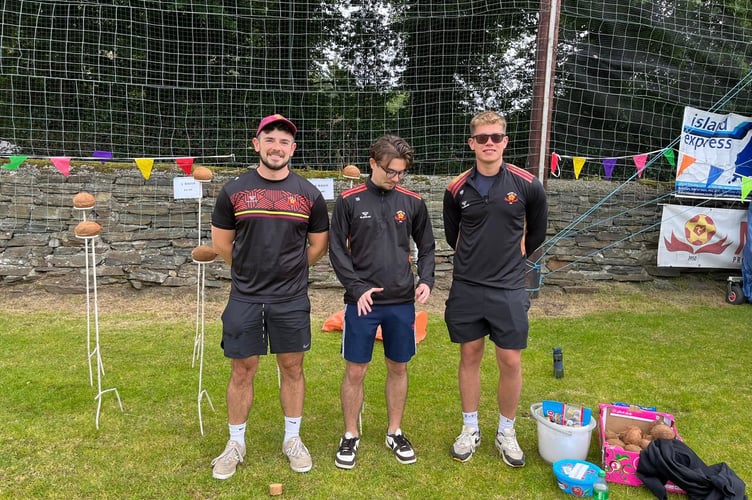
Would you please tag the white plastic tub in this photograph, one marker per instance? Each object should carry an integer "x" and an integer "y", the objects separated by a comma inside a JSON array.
[{"x": 558, "y": 442}]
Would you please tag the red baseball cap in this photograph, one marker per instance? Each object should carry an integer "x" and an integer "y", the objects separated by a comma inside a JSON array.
[{"x": 275, "y": 118}]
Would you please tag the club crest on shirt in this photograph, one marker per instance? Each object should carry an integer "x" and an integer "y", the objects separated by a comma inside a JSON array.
[
  {"x": 400, "y": 216},
  {"x": 365, "y": 215},
  {"x": 511, "y": 197}
]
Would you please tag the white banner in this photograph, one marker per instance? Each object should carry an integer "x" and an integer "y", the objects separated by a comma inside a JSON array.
[
  {"x": 714, "y": 154},
  {"x": 702, "y": 237}
]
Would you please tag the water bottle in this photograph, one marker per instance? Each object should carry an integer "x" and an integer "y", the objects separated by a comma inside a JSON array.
[
  {"x": 600, "y": 488},
  {"x": 558, "y": 363}
]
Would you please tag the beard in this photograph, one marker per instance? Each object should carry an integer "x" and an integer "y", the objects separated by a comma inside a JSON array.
[{"x": 272, "y": 166}]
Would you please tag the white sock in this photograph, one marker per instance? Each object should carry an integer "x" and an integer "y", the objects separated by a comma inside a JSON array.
[
  {"x": 505, "y": 423},
  {"x": 292, "y": 427},
  {"x": 237, "y": 432},
  {"x": 470, "y": 419}
]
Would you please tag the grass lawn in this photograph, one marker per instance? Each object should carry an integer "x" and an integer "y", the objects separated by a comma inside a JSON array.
[{"x": 690, "y": 359}]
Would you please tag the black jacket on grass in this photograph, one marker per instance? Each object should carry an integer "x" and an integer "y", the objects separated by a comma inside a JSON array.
[{"x": 672, "y": 460}]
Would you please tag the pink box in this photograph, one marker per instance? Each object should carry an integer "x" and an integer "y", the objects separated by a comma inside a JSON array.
[{"x": 620, "y": 464}]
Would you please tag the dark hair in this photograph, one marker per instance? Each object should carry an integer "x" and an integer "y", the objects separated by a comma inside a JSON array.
[
  {"x": 388, "y": 147},
  {"x": 278, "y": 125}
]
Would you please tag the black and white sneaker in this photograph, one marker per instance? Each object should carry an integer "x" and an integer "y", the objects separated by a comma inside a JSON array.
[
  {"x": 466, "y": 443},
  {"x": 401, "y": 447},
  {"x": 348, "y": 447}
]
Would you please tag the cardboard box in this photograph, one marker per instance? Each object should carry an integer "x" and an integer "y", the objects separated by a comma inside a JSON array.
[{"x": 621, "y": 465}]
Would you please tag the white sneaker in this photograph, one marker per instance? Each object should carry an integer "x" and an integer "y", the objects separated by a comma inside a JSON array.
[
  {"x": 465, "y": 444},
  {"x": 300, "y": 458},
  {"x": 511, "y": 453},
  {"x": 224, "y": 465}
]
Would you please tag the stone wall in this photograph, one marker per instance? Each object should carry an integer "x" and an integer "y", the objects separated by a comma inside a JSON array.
[{"x": 148, "y": 236}]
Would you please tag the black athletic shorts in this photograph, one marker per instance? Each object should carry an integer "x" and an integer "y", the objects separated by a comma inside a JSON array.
[
  {"x": 248, "y": 329},
  {"x": 474, "y": 311}
]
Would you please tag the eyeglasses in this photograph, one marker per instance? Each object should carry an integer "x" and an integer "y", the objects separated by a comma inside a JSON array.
[
  {"x": 393, "y": 173},
  {"x": 483, "y": 138}
]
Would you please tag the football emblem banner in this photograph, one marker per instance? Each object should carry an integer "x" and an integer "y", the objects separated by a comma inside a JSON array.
[
  {"x": 715, "y": 154},
  {"x": 702, "y": 237}
]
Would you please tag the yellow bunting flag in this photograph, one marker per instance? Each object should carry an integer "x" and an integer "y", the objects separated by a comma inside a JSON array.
[
  {"x": 15, "y": 162},
  {"x": 145, "y": 165},
  {"x": 686, "y": 161},
  {"x": 579, "y": 162},
  {"x": 746, "y": 187},
  {"x": 62, "y": 163}
]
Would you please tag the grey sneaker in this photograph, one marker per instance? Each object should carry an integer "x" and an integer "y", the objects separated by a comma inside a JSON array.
[
  {"x": 402, "y": 448},
  {"x": 224, "y": 465},
  {"x": 465, "y": 444},
  {"x": 348, "y": 447},
  {"x": 511, "y": 453},
  {"x": 300, "y": 459}
]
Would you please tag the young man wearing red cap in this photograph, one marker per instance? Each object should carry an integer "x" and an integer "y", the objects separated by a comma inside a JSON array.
[{"x": 269, "y": 224}]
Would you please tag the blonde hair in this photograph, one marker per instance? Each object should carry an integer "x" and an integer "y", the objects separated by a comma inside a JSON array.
[{"x": 487, "y": 118}]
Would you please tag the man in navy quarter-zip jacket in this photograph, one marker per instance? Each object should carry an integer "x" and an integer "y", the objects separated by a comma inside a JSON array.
[{"x": 371, "y": 229}]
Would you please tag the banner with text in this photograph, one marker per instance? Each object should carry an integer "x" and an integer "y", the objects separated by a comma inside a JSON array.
[
  {"x": 715, "y": 152},
  {"x": 702, "y": 237}
]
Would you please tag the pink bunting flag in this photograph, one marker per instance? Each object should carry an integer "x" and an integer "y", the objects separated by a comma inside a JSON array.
[
  {"x": 579, "y": 162},
  {"x": 746, "y": 187},
  {"x": 145, "y": 165},
  {"x": 186, "y": 164},
  {"x": 62, "y": 163},
  {"x": 608, "y": 166},
  {"x": 639, "y": 161},
  {"x": 14, "y": 162},
  {"x": 554, "y": 163}
]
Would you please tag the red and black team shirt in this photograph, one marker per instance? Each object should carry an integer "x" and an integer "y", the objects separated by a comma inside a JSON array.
[
  {"x": 369, "y": 243},
  {"x": 487, "y": 232},
  {"x": 271, "y": 220}
]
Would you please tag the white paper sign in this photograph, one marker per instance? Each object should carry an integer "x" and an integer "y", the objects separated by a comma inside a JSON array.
[
  {"x": 187, "y": 188},
  {"x": 326, "y": 186}
]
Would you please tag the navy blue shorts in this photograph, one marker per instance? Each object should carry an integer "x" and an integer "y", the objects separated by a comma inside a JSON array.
[
  {"x": 397, "y": 332},
  {"x": 248, "y": 329},
  {"x": 474, "y": 311}
]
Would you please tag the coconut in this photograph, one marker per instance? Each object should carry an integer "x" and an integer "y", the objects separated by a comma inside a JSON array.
[
  {"x": 203, "y": 253},
  {"x": 662, "y": 431},
  {"x": 632, "y": 435},
  {"x": 632, "y": 447},
  {"x": 351, "y": 172},
  {"x": 202, "y": 174},
  {"x": 611, "y": 434},
  {"x": 644, "y": 443},
  {"x": 615, "y": 442},
  {"x": 87, "y": 228},
  {"x": 83, "y": 200}
]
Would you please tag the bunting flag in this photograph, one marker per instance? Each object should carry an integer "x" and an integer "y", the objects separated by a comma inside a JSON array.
[
  {"x": 579, "y": 162},
  {"x": 639, "y": 161},
  {"x": 713, "y": 175},
  {"x": 686, "y": 162},
  {"x": 62, "y": 163},
  {"x": 145, "y": 165},
  {"x": 103, "y": 155},
  {"x": 669, "y": 154},
  {"x": 15, "y": 162},
  {"x": 186, "y": 164},
  {"x": 746, "y": 187},
  {"x": 554, "y": 163},
  {"x": 608, "y": 166}
]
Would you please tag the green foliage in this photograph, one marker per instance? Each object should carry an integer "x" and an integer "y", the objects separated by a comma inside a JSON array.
[{"x": 691, "y": 361}]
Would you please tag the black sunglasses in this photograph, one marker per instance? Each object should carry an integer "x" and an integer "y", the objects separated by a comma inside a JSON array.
[{"x": 483, "y": 138}]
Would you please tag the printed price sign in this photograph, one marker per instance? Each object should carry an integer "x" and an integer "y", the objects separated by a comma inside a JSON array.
[{"x": 186, "y": 188}]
